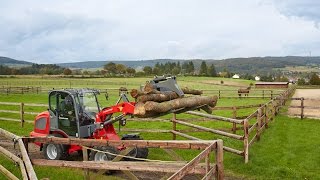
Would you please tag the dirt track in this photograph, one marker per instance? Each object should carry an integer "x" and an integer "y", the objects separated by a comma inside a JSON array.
[{"x": 313, "y": 94}]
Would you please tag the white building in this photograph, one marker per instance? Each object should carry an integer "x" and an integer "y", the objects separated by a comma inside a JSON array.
[
  {"x": 236, "y": 76},
  {"x": 257, "y": 78}
]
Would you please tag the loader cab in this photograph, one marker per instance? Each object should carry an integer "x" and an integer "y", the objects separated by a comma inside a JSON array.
[{"x": 73, "y": 112}]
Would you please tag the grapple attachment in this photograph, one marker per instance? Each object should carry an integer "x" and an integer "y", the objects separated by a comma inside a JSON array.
[{"x": 166, "y": 83}]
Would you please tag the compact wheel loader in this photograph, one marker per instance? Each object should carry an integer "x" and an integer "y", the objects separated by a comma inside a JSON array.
[{"x": 76, "y": 113}]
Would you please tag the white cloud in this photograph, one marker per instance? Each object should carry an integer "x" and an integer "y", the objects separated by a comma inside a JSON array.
[{"x": 64, "y": 31}]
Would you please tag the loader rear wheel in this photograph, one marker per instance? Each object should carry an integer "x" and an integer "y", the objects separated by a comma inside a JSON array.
[{"x": 100, "y": 156}]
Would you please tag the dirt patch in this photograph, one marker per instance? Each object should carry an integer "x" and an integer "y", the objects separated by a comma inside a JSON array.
[{"x": 312, "y": 98}]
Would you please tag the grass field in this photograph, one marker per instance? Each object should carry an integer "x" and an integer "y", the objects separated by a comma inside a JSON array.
[{"x": 287, "y": 150}]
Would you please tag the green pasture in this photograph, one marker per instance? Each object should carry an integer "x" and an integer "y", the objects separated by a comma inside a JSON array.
[
  {"x": 288, "y": 149},
  {"x": 108, "y": 83}
]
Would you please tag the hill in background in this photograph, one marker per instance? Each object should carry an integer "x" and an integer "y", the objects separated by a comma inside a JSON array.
[
  {"x": 13, "y": 63},
  {"x": 251, "y": 65}
]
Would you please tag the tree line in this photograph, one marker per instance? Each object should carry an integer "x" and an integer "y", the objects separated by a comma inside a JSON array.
[
  {"x": 172, "y": 68},
  {"x": 50, "y": 69},
  {"x": 112, "y": 69}
]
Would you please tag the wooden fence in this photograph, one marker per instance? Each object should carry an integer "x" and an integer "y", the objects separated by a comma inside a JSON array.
[
  {"x": 253, "y": 93},
  {"x": 303, "y": 107},
  {"x": 227, "y": 93},
  {"x": 175, "y": 170},
  {"x": 255, "y": 122},
  {"x": 21, "y": 112},
  {"x": 24, "y": 163},
  {"x": 251, "y": 127},
  {"x": 20, "y": 90}
]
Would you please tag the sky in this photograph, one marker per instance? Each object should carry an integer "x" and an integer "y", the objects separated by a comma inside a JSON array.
[{"x": 46, "y": 31}]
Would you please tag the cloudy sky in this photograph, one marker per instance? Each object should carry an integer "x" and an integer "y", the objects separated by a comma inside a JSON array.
[{"x": 46, "y": 31}]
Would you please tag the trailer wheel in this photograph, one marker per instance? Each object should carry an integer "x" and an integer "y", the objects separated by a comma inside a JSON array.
[{"x": 136, "y": 152}]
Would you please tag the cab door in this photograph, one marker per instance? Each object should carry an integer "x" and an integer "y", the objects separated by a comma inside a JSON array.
[{"x": 64, "y": 117}]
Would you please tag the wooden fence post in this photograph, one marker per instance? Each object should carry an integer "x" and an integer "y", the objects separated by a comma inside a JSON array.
[
  {"x": 266, "y": 115},
  {"x": 22, "y": 114},
  {"x": 207, "y": 162},
  {"x": 85, "y": 158},
  {"x": 219, "y": 94},
  {"x": 219, "y": 160},
  {"x": 302, "y": 108},
  {"x": 234, "y": 116},
  {"x": 259, "y": 115},
  {"x": 271, "y": 94},
  {"x": 26, "y": 160},
  {"x": 262, "y": 94},
  {"x": 174, "y": 126},
  {"x": 246, "y": 140}
]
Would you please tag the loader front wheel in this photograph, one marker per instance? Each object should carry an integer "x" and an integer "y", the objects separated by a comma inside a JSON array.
[{"x": 53, "y": 151}]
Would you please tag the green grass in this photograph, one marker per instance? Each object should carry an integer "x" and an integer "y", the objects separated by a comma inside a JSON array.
[
  {"x": 107, "y": 83},
  {"x": 288, "y": 149}
]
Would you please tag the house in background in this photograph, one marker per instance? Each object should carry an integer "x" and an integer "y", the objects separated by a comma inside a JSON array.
[
  {"x": 236, "y": 76},
  {"x": 257, "y": 78}
]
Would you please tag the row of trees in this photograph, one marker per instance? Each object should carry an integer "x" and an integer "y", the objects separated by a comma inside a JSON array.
[
  {"x": 175, "y": 68},
  {"x": 314, "y": 80},
  {"x": 49, "y": 69}
]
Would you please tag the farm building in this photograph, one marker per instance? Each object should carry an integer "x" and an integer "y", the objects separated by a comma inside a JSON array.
[
  {"x": 271, "y": 84},
  {"x": 236, "y": 76},
  {"x": 257, "y": 78}
]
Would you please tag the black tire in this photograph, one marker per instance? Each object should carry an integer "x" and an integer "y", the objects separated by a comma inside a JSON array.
[
  {"x": 55, "y": 151},
  {"x": 136, "y": 152}
]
